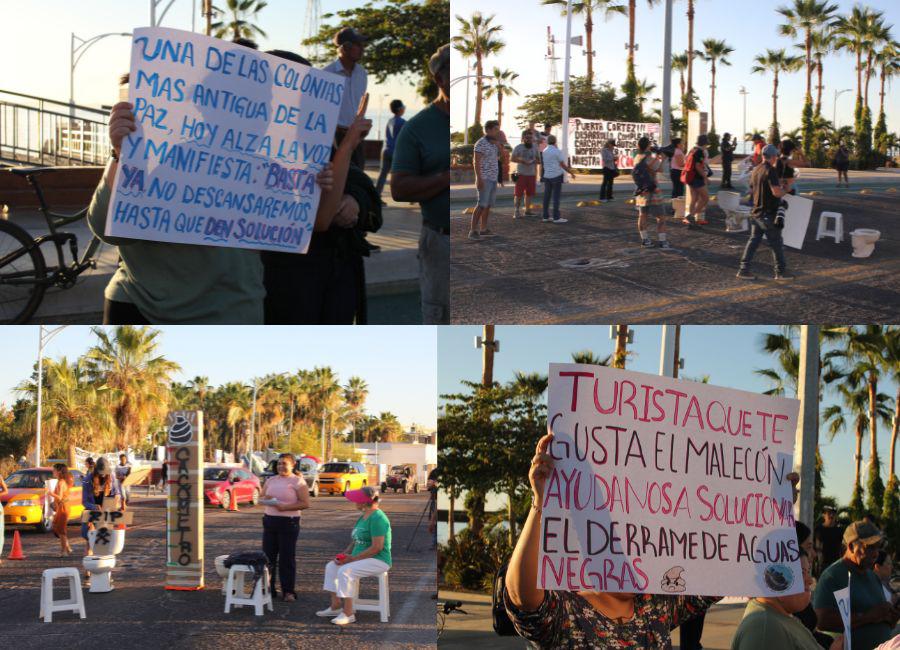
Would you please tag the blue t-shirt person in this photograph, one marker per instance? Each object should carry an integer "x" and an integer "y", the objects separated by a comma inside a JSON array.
[{"x": 391, "y": 131}]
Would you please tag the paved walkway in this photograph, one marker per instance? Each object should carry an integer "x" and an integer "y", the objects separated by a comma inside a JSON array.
[{"x": 593, "y": 270}]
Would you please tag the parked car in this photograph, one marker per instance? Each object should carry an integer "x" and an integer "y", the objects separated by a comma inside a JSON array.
[
  {"x": 305, "y": 467},
  {"x": 25, "y": 505},
  {"x": 401, "y": 479},
  {"x": 222, "y": 483},
  {"x": 338, "y": 477}
]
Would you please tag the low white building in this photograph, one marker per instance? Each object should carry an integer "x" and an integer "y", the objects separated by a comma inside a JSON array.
[{"x": 386, "y": 454}]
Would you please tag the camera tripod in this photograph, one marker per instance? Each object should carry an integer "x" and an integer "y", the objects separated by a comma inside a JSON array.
[{"x": 427, "y": 510}]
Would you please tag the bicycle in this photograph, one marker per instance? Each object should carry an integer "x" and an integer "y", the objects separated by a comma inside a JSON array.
[
  {"x": 24, "y": 275},
  {"x": 444, "y": 609}
]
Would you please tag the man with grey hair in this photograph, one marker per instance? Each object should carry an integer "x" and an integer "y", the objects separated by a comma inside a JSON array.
[
  {"x": 767, "y": 188},
  {"x": 351, "y": 47},
  {"x": 420, "y": 173}
]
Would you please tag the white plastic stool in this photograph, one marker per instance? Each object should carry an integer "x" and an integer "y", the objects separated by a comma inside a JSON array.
[
  {"x": 838, "y": 233},
  {"x": 75, "y": 601},
  {"x": 235, "y": 593},
  {"x": 383, "y": 603}
]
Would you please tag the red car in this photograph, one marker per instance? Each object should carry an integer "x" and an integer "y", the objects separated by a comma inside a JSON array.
[{"x": 222, "y": 483}]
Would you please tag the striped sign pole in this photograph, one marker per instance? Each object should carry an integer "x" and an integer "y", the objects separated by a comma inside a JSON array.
[{"x": 184, "y": 504}]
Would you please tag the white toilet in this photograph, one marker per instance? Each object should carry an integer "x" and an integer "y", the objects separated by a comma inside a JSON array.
[
  {"x": 863, "y": 240},
  {"x": 101, "y": 566}
]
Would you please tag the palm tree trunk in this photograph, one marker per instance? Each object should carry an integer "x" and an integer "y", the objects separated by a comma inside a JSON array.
[
  {"x": 631, "y": 10},
  {"x": 894, "y": 434},
  {"x": 775, "y": 101},
  {"x": 479, "y": 91},
  {"x": 819, "y": 90},
  {"x": 712, "y": 105},
  {"x": 808, "y": 65},
  {"x": 858, "y": 456},
  {"x": 690, "y": 52},
  {"x": 500, "y": 107},
  {"x": 589, "y": 37},
  {"x": 451, "y": 513},
  {"x": 858, "y": 76},
  {"x": 868, "y": 77},
  {"x": 873, "y": 423},
  {"x": 510, "y": 519},
  {"x": 72, "y": 460},
  {"x": 881, "y": 104}
]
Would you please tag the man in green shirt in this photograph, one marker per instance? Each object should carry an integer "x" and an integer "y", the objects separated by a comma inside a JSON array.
[
  {"x": 421, "y": 173},
  {"x": 871, "y": 617}
]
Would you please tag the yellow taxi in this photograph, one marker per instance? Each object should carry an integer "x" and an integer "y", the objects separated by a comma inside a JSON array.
[
  {"x": 338, "y": 477},
  {"x": 27, "y": 504}
]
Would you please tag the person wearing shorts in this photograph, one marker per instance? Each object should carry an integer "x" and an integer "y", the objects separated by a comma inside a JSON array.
[
  {"x": 525, "y": 156},
  {"x": 649, "y": 202},
  {"x": 699, "y": 184},
  {"x": 487, "y": 175}
]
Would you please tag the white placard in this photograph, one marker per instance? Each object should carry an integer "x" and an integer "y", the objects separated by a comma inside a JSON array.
[
  {"x": 667, "y": 486},
  {"x": 228, "y": 143},
  {"x": 587, "y": 137},
  {"x": 842, "y": 596},
  {"x": 796, "y": 220}
]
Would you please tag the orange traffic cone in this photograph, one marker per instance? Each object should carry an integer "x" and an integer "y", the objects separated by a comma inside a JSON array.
[
  {"x": 16, "y": 552},
  {"x": 234, "y": 506}
]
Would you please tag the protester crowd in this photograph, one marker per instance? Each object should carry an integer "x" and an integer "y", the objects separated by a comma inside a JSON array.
[
  {"x": 808, "y": 620},
  {"x": 159, "y": 283},
  {"x": 768, "y": 170}
]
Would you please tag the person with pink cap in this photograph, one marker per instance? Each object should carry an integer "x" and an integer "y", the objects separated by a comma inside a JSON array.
[{"x": 368, "y": 554}]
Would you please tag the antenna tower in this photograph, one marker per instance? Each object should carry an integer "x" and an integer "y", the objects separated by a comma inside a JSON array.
[
  {"x": 311, "y": 26},
  {"x": 551, "y": 58}
]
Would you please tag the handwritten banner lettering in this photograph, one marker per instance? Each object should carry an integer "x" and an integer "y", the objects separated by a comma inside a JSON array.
[
  {"x": 587, "y": 138},
  {"x": 228, "y": 144},
  {"x": 667, "y": 486}
]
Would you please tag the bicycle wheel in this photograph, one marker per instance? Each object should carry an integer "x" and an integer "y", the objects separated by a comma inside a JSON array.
[{"x": 21, "y": 273}]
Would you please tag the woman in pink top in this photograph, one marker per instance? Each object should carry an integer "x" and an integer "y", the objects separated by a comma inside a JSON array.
[
  {"x": 284, "y": 495},
  {"x": 675, "y": 167}
]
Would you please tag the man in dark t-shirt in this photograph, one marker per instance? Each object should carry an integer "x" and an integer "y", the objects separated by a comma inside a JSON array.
[
  {"x": 727, "y": 160},
  {"x": 767, "y": 188},
  {"x": 827, "y": 539}
]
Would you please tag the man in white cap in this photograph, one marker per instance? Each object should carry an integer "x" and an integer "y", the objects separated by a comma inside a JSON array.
[
  {"x": 351, "y": 46},
  {"x": 420, "y": 173},
  {"x": 766, "y": 185}
]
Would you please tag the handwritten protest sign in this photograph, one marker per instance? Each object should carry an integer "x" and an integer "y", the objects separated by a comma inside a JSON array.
[
  {"x": 842, "y": 597},
  {"x": 667, "y": 486},
  {"x": 587, "y": 137},
  {"x": 228, "y": 144},
  {"x": 184, "y": 512},
  {"x": 796, "y": 220}
]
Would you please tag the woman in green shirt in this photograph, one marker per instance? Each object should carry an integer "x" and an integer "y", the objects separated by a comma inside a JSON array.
[{"x": 368, "y": 554}]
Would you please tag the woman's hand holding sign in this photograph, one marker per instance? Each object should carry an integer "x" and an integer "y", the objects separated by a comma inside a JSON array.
[
  {"x": 541, "y": 468},
  {"x": 121, "y": 123}
]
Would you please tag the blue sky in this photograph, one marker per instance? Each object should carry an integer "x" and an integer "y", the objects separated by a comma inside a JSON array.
[
  {"x": 41, "y": 30},
  {"x": 749, "y": 27},
  {"x": 398, "y": 363},
  {"x": 727, "y": 354}
]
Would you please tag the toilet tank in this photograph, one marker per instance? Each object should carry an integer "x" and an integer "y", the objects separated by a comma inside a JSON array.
[{"x": 116, "y": 542}]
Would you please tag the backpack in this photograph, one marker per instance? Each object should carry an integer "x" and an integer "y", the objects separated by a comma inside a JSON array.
[
  {"x": 503, "y": 626},
  {"x": 643, "y": 179},
  {"x": 690, "y": 166}
]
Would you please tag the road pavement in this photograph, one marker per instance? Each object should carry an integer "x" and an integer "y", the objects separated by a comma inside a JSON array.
[
  {"x": 593, "y": 269},
  {"x": 140, "y": 613}
]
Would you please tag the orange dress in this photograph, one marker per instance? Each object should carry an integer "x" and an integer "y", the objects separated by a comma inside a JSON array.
[{"x": 61, "y": 518}]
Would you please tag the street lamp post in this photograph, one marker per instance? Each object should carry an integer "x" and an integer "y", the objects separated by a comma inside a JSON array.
[
  {"x": 380, "y": 112},
  {"x": 666, "y": 134},
  {"x": 44, "y": 336},
  {"x": 837, "y": 93},
  {"x": 565, "y": 108},
  {"x": 743, "y": 91},
  {"x": 154, "y": 21},
  {"x": 75, "y": 54},
  {"x": 453, "y": 82}
]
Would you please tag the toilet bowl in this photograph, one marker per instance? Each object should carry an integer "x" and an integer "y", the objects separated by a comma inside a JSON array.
[
  {"x": 863, "y": 240},
  {"x": 101, "y": 566}
]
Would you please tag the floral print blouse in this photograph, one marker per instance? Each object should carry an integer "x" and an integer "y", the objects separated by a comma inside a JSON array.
[{"x": 566, "y": 620}]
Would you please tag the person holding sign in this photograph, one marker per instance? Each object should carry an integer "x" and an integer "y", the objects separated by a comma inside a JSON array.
[
  {"x": 564, "y": 619},
  {"x": 769, "y": 622},
  {"x": 327, "y": 286},
  {"x": 872, "y": 618}
]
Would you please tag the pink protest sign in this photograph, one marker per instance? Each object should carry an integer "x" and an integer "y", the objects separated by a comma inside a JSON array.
[{"x": 667, "y": 486}]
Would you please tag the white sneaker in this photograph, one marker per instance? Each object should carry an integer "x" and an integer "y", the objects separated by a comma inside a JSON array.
[
  {"x": 560, "y": 221},
  {"x": 343, "y": 619},
  {"x": 328, "y": 612}
]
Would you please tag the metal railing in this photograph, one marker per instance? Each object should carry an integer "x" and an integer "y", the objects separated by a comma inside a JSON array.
[{"x": 40, "y": 131}]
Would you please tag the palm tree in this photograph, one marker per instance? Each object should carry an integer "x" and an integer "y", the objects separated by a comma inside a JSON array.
[
  {"x": 807, "y": 16},
  {"x": 128, "y": 363},
  {"x": 691, "y": 52},
  {"x": 888, "y": 59},
  {"x": 891, "y": 366},
  {"x": 853, "y": 33},
  {"x": 237, "y": 399},
  {"x": 821, "y": 45},
  {"x": 632, "y": 8},
  {"x": 478, "y": 38},
  {"x": 589, "y": 8},
  {"x": 239, "y": 26},
  {"x": 355, "y": 393},
  {"x": 587, "y": 356},
  {"x": 776, "y": 62},
  {"x": 501, "y": 86},
  {"x": 715, "y": 52},
  {"x": 642, "y": 93}
]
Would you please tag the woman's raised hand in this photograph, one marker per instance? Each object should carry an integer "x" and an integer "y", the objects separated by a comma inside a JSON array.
[
  {"x": 121, "y": 123},
  {"x": 541, "y": 467}
]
